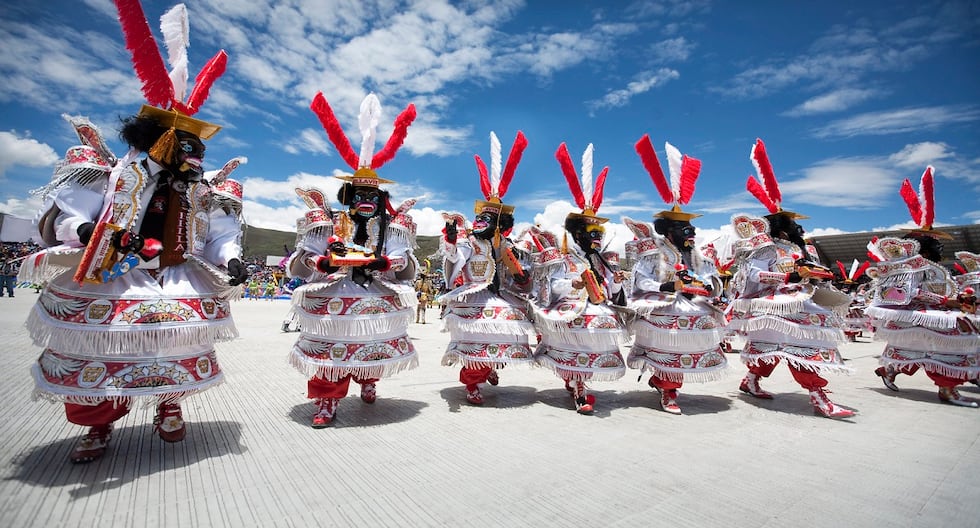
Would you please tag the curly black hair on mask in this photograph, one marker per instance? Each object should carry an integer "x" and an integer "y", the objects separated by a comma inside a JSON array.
[
  {"x": 929, "y": 247},
  {"x": 781, "y": 223},
  {"x": 140, "y": 132}
]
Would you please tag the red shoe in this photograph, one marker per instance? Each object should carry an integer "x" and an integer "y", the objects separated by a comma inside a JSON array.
[
  {"x": 170, "y": 423},
  {"x": 93, "y": 445},
  {"x": 887, "y": 377},
  {"x": 952, "y": 396},
  {"x": 750, "y": 385},
  {"x": 584, "y": 402},
  {"x": 473, "y": 396},
  {"x": 823, "y": 405},
  {"x": 369, "y": 392},
  {"x": 668, "y": 400},
  {"x": 326, "y": 410},
  {"x": 493, "y": 378}
]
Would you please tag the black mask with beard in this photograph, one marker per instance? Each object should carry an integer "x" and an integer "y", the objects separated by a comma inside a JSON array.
[
  {"x": 485, "y": 224},
  {"x": 784, "y": 227},
  {"x": 142, "y": 133},
  {"x": 588, "y": 241},
  {"x": 680, "y": 232},
  {"x": 929, "y": 247},
  {"x": 363, "y": 201}
]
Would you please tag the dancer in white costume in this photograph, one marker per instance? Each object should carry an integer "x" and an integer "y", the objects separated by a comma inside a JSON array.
[
  {"x": 775, "y": 288},
  {"x": 577, "y": 291},
  {"x": 915, "y": 307},
  {"x": 157, "y": 258},
  {"x": 358, "y": 300},
  {"x": 677, "y": 332},
  {"x": 487, "y": 312}
]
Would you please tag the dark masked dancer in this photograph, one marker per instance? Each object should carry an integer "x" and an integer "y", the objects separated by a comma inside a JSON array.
[
  {"x": 918, "y": 309},
  {"x": 155, "y": 261},
  {"x": 677, "y": 333},
  {"x": 359, "y": 267},
  {"x": 775, "y": 285},
  {"x": 487, "y": 313}
]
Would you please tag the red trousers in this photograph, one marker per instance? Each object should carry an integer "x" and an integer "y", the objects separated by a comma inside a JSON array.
[
  {"x": 318, "y": 387},
  {"x": 91, "y": 415},
  {"x": 807, "y": 379},
  {"x": 472, "y": 376},
  {"x": 664, "y": 385},
  {"x": 937, "y": 378}
]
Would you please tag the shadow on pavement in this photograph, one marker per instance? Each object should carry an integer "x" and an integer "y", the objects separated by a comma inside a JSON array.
[
  {"x": 352, "y": 412},
  {"x": 134, "y": 452},
  {"x": 501, "y": 396}
]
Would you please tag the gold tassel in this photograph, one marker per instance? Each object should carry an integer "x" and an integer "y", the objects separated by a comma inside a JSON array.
[
  {"x": 564, "y": 244},
  {"x": 164, "y": 151}
]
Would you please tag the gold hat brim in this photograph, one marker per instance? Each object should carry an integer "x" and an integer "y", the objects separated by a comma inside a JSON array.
[
  {"x": 363, "y": 176},
  {"x": 792, "y": 214},
  {"x": 932, "y": 233},
  {"x": 587, "y": 218},
  {"x": 678, "y": 215},
  {"x": 179, "y": 121},
  {"x": 495, "y": 207}
]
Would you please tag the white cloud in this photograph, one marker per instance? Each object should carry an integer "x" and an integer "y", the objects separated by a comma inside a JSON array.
[
  {"x": 26, "y": 208},
  {"x": 921, "y": 154},
  {"x": 899, "y": 121},
  {"x": 309, "y": 140},
  {"x": 643, "y": 83},
  {"x": 834, "y": 101},
  {"x": 24, "y": 151},
  {"x": 848, "y": 183},
  {"x": 677, "y": 49}
]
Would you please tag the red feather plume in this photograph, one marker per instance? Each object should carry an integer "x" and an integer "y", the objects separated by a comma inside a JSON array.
[
  {"x": 912, "y": 201},
  {"x": 754, "y": 187},
  {"x": 861, "y": 269},
  {"x": 520, "y": 143},
  {"x": 959, "y": 267},
  {"x": 928, "y": 198},
  {"x": 761, "y": 160},
  {"x": 568, "y": 169},
  {"x": 205, "y": 79},
  {"x": 644, "y": 147},
  {"x": 402, "y": 122},
  {"x": 843, "y": 272},
  {"x": 336, "y": 134},
  {"x": 690, "y": 170},
  {"x": 600, "y": 184},
  {"x": 485, "y": 186},
  {"x": 147, "y": 61}
]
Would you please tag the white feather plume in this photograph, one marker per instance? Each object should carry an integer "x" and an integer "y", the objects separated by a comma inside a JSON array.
[
  {"x": 176, "y": 37},
  {"x": 495, "y": 165},
  {"x": 854, "y": 268},
  {"x": 674, "y": 162},
  {"x": 367, "y": 121},
  {"x": 587, "y": 175}
]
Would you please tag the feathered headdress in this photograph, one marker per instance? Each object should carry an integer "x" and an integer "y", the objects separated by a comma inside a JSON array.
[
  {"x": 684, "y": 172},
  {"x": 367, "y": 120},
  {"x": 495, "y": 183},
  {"x": 587, "y": 197},
  {"x": 766, "y": 192},
  {"x": 165, "y": 91},
  {"x": 856, "y": 270},
  {"x": 922, "y": 205}
]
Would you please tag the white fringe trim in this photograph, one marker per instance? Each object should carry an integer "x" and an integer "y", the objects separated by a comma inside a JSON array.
[
  {"x": 930, "y": 318},
  {"x": 597, "y": 339},
  {"x": 132, "y": 397},
  {"x": 931, "y": 365},
  {"x": 921, "y": 338},
  {"x": 815, "y": 333},
  {"x": 460, "y": 326},
  {"x": 775, "y": 306},
  {"x": 353, "y": 325},
  {"x": 769, "y": 358},
  {"x": 450, "y": 359},
  {"x": 708, "y": 375},
  {"x": 124, "y": 340},
  {"x": 580, "y": 374},
  {"x": 647, "y": 334},
  {"x": 330, "y": 371}
]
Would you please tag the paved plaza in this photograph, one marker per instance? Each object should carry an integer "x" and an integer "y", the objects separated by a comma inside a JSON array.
[{"x": 421, "y": 456}]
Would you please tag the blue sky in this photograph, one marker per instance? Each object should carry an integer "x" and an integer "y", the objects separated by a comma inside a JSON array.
[{"x": 849, "y": 97}]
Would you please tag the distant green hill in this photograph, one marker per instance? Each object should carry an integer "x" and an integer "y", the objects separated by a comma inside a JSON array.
[{"x": 259, "y": 242}]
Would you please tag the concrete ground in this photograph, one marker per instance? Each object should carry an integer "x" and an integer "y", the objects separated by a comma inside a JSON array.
[{"x": 421, "y": 456}]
